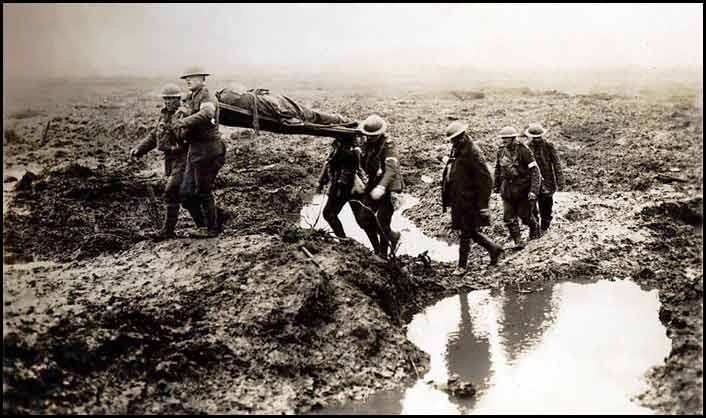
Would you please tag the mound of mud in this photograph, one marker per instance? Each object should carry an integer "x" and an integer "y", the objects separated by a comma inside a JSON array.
[
  {"x": 689, "y": 212},
  {"x": 675, "y": 267},
  {"x": 248, "y": 325},
  {"x": 263, "y": 191},
  {"x": 74, "y": 211}
]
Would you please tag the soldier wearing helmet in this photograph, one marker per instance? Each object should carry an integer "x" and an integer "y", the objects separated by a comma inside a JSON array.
[
  {"x": 341, "y": 170},
  {"x": 517, "y": 179},
  {"x": 163, "y": 138},
  {"x": 550, "y": 167},
  {"x": 207, "y": 151},
  {"x": 380, "y": 162},
  {"x": 466, "y": 188}
]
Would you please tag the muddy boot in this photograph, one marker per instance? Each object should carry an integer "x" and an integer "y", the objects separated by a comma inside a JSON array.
[
  {"x": 383, "y": 249},
  {"x": 209, "y": 206},
  {"x": 394, "y": 240},
  {"x": 463, "y": 250},
  {"x": 374, "y": 241},
  {"x": 494, "y": 249},
  {"x": 335, "y": 224},
  {"x": 519, "y": 242},
  {"x": 195, "y": 210},
  {"x": 534, "y": 229},
  {"x": 516, "y": 236},
  {"x": 170, "y": 221},
  {"x": 223, "y": 217},
  {"x": 545, "y": 225}
]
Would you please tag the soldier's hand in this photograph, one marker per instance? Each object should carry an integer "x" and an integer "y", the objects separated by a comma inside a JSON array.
[
  {"x": 532, "y": 196},
  {"x": 133, "y": 154},
  {"x": 319, "y": 189},
  {"x": 377, "y": 192},
  {"x": 177, "y": 124}
]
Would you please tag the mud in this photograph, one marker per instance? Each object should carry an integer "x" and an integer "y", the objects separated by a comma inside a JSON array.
[{"x": 103, "y": 320}]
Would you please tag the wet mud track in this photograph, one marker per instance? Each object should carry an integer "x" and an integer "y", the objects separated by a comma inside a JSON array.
[{"x": 247, "y": 322}]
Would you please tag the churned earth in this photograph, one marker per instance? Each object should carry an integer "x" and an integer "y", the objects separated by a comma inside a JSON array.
[{"x": 100, "y": 319}]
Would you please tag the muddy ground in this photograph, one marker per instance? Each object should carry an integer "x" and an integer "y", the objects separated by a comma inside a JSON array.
[{"x": 100, "y": 319}]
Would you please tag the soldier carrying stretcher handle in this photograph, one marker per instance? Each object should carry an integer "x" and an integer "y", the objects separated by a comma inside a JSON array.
[
  {"x": 374, "y": 209},
  {"x": 207, "y": 150}
]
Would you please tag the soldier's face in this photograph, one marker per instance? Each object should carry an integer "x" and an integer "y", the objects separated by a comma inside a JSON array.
[
  {"x": 171, "y": 103},
  {"x": 371, "y": 139},
  {"x": 457, "y": 138},
  {"x": 508, "y": 140},
  {"x": 195, "y": 81}
]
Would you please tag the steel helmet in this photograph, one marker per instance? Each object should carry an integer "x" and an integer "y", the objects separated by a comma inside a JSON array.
[
  {"x": 194, "y": 71},
  {"x": 373, "y": 125},
  {"x": 535, "y": 130},
  {"x": 508, "y": 132},
  {"x": 171, "y": 90},
  {"x": 455, "y": 129}
]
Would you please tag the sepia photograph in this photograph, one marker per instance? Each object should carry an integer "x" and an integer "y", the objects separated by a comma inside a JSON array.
[{"x": 352, "y": 209}]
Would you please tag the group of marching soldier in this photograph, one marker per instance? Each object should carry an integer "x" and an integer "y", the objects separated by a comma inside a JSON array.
[
  {"x": 363, "y": 170},
  {"x": 526, "y": 177}
]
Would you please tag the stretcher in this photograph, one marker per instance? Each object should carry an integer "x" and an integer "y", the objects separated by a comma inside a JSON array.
[{"x": 239, "y": 117}]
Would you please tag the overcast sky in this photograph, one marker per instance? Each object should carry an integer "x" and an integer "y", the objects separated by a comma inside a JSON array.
[{"x": 161, "y": 39}]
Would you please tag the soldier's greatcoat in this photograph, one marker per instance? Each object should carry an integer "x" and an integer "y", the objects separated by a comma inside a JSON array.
[
  {"x": 466, "y": 185},
  {"x": 549, "y": 165},
  {"x": 514, "y": 177},
  {"x": 164, "y": 139},
  {"x": 381, "y": 164},
  {"x": 202, "y": 127}
]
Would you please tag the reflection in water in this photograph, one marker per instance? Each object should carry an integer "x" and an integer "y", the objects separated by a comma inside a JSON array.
[
  {"x": 525, "y": 323},
  {"x": 468, "y": 352},
  {"x": 571, "y": 348}
]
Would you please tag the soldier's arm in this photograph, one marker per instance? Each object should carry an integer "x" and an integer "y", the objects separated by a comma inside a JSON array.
[
  {"x": 324, "y": 177},
  {"x": 558, "y": 169},
  {"x": 392, "y": 163},
  {"x": 485, "y": 180},
  {"x": 205, "y": 114},
  {"x": 479, "y": 162},
  {"x": 147, "y": 144},
  {"x": 497, "y": 178},
  {"x": 528, "y": 158}
]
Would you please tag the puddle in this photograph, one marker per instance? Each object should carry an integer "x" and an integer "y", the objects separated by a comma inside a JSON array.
[
  {"x": 412, "y": 242},
  {"x": 570, "y": 348}
]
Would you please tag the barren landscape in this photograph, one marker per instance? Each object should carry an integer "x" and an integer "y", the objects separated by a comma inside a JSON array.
[{"x": 100, "y": 319}]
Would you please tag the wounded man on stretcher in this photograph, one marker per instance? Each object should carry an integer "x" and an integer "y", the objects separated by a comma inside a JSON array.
[{"x": 262, "y": 106}]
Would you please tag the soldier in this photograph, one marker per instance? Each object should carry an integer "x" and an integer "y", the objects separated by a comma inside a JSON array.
[
  {"x": 373, "y": 210},
  {"x": 550, "y": 167},
  {"x": 340, "y": 170},
  {"x": 207, "y": 150},
  {"x": 517, "y": 179},
  {"x": 164, "y": 139},
  {"x": 466, "y": 188}
]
